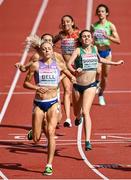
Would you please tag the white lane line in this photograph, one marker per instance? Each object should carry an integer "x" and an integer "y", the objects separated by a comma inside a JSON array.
[
  {"x": 119, "y": 137},
  {"x": 10, "y": 143},
  {"x": 79, "y": 144},
  {"x": 18, "y": 93},
  {"x": 23, "y": 58},
  {"x": 103, "y": 133},
  {"x": 23, "y": 139},
  {"x": 117, "y": 91},
  {"x": 3, "y": 176},
  {"x": 13, "y": 54},
  {"x": 1, "y": 1},
  {"x": 103, "y": 137},
  {"x": 89, "y": 13},
  {"x": 106, "y": 92}
]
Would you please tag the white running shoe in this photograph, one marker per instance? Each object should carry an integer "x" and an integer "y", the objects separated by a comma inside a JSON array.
[
  {"x": 102, "y": 101},
  {"x": 67, "y": 123}
]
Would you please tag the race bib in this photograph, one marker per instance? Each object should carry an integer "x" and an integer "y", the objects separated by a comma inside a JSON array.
[
  {"x": 48, "y": 77},
  {"x": 99, "y": 36},
  {"x": 68, "y": 45},
  {"x": 89, "y": 61}
]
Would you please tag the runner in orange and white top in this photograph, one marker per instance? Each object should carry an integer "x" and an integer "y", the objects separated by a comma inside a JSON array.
[{"x": 68, "y": 38}]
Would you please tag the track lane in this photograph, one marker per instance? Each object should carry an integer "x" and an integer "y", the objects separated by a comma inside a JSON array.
[
  {"x": 34, "y": 167},
  {"x": 115, "y": 117}
]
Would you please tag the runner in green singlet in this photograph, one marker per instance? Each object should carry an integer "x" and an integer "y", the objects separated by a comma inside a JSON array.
[{"x": 104, "y": 33}]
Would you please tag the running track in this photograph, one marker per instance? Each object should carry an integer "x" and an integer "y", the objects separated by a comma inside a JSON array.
[{"x": 21, "y": 159}]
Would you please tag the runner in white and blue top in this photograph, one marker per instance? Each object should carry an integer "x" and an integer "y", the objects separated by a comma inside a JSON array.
[
  {"x": 47, "y": 76},
  {"x": 46, "y": 73}
]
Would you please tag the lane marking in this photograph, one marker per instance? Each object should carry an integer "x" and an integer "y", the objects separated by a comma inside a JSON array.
[
  {"x": 79, "y": 144},
  {"x": 117, "y": 91},
  {"x": 89, "y": 9},
  {"x": 23, "y": 58},
  {"x": 94, "y": 141},
  {"x": 99, "y": 141},
  {"x": 118, "y": 137},
  {"x": 102, "y": 133},
  {"x": 11, "y": 54},
  {"x": 61, "y": 92},
  {"x": 57, "y": 143},
  {"x": 1, "y": 1},
  {"x": 3, "y": 176}
]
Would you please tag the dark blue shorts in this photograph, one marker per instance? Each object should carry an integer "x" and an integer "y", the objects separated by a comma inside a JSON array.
[
  {"x": 45, "y": 105},
  {"x": 81, "y": 88},
  {"x": 104, "y": 53}
]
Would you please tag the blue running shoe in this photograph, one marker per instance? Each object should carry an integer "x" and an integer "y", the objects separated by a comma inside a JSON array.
[{"x": 88, "y": 146}]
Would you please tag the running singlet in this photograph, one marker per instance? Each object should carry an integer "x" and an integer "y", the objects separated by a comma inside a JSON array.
[
  {"x": 48, "y": 75},
  {"x": 69, "y": 43},
  {"x": 88, "y": 62},
  {"x": 100, "y": 31}
]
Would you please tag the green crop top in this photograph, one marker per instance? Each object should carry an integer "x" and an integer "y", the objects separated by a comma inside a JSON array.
[
  {"x": 99, "y": 31},
  {"x": 87, "y": 61}
]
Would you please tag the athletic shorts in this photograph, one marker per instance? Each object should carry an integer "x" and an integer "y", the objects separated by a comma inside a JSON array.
[
  {"x": 104, "y": 53},
  {"x": 44, "y": 105},
  {"x": 81, "y": 88}
]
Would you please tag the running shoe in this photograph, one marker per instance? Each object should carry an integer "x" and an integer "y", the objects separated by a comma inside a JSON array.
[
  {"x": 29, "y": 135},
  {"x": 88, "y": 146},
  {"x": 102, "y": 100},
  {"x": 67, "y": 123},
  {"x": 98, "y": 87},
  {"x": 78, "y": 121},
  {"x": 48, "y": 171}
]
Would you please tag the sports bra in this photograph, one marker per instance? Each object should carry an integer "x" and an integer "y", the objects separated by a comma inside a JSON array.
[
  {"x": 87, "y": 61},
  {"x": 69, "y": 43},
  {"x": 99, "y": 31},
  {"x": 47, "y": 75}
]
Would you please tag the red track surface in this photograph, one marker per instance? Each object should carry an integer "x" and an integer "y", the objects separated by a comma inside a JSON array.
[{"x": 21, "y": 159}]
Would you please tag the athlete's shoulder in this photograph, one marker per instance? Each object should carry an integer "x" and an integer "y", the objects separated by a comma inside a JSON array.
[
  {"x": 57, "y": 37},
  {"x": 95, "y": 48},
  {"x": 57, "y": 54},
  {"x": 78, "y": 50},
  {"x": 96, "y": 23},
  {"x": 35, "y": 57},
  {"x": 34, "y": 66},
  {"x": 75, "y": 33},
  {"x": 58, "y": 57},
  {"x": 109, "y": 23},
  {"x": 62, "y": 34}
]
